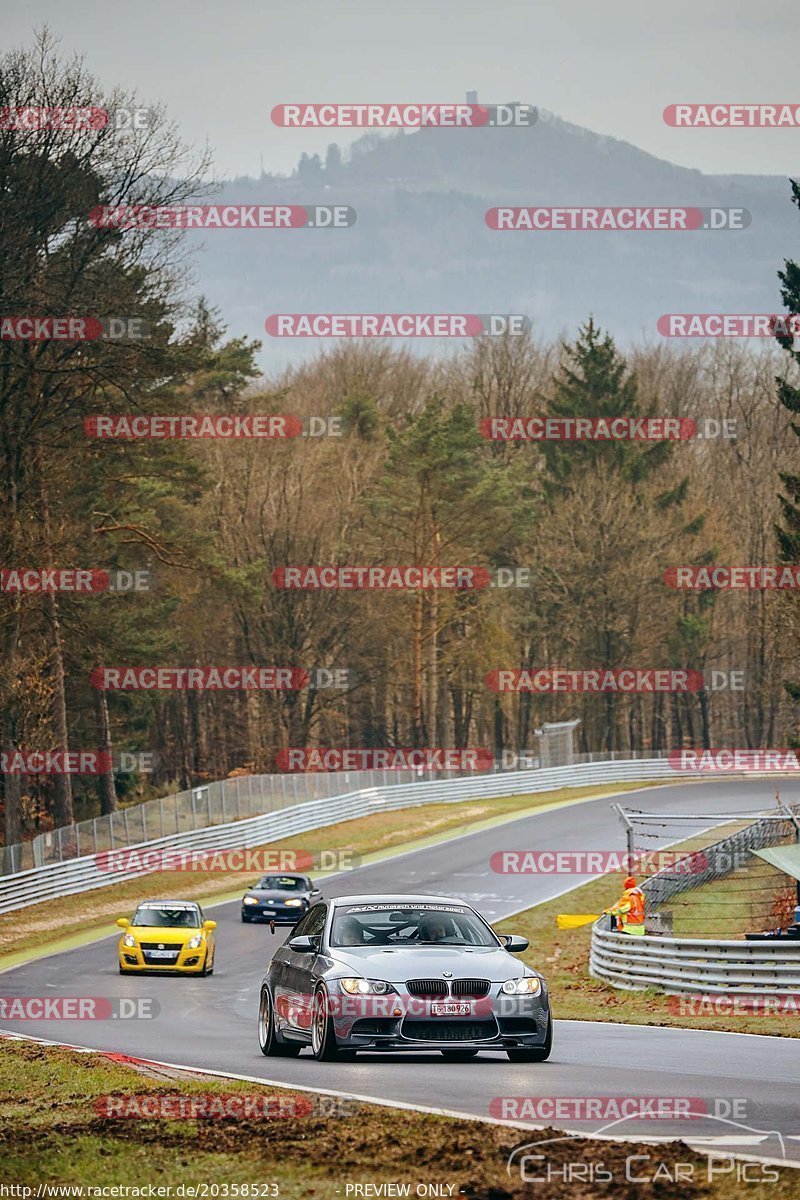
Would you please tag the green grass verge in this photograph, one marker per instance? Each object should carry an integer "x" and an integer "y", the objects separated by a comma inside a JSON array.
[
  {"x": 75, "y": 920},
  {"x": 51, "y": 1134}
]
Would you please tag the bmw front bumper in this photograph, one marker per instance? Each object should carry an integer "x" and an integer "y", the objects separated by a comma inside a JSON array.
[{"x": 405, "y": 1022}]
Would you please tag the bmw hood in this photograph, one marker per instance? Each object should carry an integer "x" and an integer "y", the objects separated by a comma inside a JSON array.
[{"x": 396, "y": 964}]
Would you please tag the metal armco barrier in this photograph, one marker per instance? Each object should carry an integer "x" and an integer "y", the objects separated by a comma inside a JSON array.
[
  {"x": 86, "y": 873},
  {"x": 691, "y": 966}
]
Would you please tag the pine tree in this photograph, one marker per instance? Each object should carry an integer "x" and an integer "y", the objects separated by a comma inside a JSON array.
[{"x": 594, "y": 381}]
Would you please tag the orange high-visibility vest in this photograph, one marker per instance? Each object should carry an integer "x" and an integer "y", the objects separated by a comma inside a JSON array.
[
  {"x": 636, "y": 914},
  {"x": 630, "y": 911}
]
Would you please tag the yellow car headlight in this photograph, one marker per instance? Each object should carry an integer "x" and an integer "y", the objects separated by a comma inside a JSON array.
[
  {"x": 195, "y": 943},
  {"x": 129, "y": 940},
  {"x": 366, "y": 987},
  {"x": 529, "y": 985}
]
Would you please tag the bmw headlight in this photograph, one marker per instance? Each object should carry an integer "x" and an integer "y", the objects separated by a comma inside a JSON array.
[
  {"x": 195, "y": 943},
  {"x": 129, "y": 940},
  {"x": 249, "y": 900},
  {"x": 529, "y": 985},
  {"x": 366, "y": 987},
  {"x": 294, "y": 903}
]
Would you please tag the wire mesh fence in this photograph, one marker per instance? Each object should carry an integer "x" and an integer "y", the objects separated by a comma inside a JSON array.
[
  {"x": 235, "y": 799},
  {"x": 211, "y": 804},
  {"x": 713, "y": 886}
]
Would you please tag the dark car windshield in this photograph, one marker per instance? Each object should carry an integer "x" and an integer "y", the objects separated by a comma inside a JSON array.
[
  {"x": 283, "y": 883},
  {"x": 164, "y": 917},
  {"x": 409, "y": 925}
]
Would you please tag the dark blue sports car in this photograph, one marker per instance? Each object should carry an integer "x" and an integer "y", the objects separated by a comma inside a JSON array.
[{"x": 282, "y": 899}]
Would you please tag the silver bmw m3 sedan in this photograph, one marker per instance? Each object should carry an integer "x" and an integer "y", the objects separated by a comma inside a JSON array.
[{"x": 393, "y": 973}]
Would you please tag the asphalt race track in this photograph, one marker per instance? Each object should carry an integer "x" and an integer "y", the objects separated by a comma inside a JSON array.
[{"x": 211, "y": 1023}]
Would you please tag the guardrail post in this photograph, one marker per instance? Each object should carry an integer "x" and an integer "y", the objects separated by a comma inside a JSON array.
[
  {"x": 127, "y": 832},
  {"x": 623, "y": 816}
]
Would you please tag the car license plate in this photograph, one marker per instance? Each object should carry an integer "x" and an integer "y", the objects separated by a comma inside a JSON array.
[
  {"x": 460, "y": 1009},
  {"x": 162, "y": 954},
  {"x": 269, "y": 912}
]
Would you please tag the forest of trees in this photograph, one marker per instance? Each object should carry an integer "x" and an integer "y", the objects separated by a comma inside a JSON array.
[{"x": 410, "y": 480}]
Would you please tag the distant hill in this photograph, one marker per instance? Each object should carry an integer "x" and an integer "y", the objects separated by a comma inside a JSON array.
[{"x": 420, "y": 243}]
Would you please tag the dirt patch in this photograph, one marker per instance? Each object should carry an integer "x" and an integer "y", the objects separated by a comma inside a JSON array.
[{"x": 50, "y": 1131}]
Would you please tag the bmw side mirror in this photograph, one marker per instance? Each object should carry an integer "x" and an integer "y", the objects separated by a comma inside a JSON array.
[
  {"x": 514, "y": 943},
  {"x": 304, "y": 944}
]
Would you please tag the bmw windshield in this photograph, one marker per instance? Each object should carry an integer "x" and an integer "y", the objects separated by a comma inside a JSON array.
[{"x": 409, "y": 925}]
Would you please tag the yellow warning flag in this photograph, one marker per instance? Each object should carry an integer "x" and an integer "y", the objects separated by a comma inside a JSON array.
[{"x": 574, "y": 921}]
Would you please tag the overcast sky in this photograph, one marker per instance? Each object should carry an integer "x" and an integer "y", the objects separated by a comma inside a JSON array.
[{"x": 611, "y": 66}]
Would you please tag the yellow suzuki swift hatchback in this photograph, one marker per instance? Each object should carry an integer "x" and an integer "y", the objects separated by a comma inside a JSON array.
[{"x": 167, "y": 935}]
